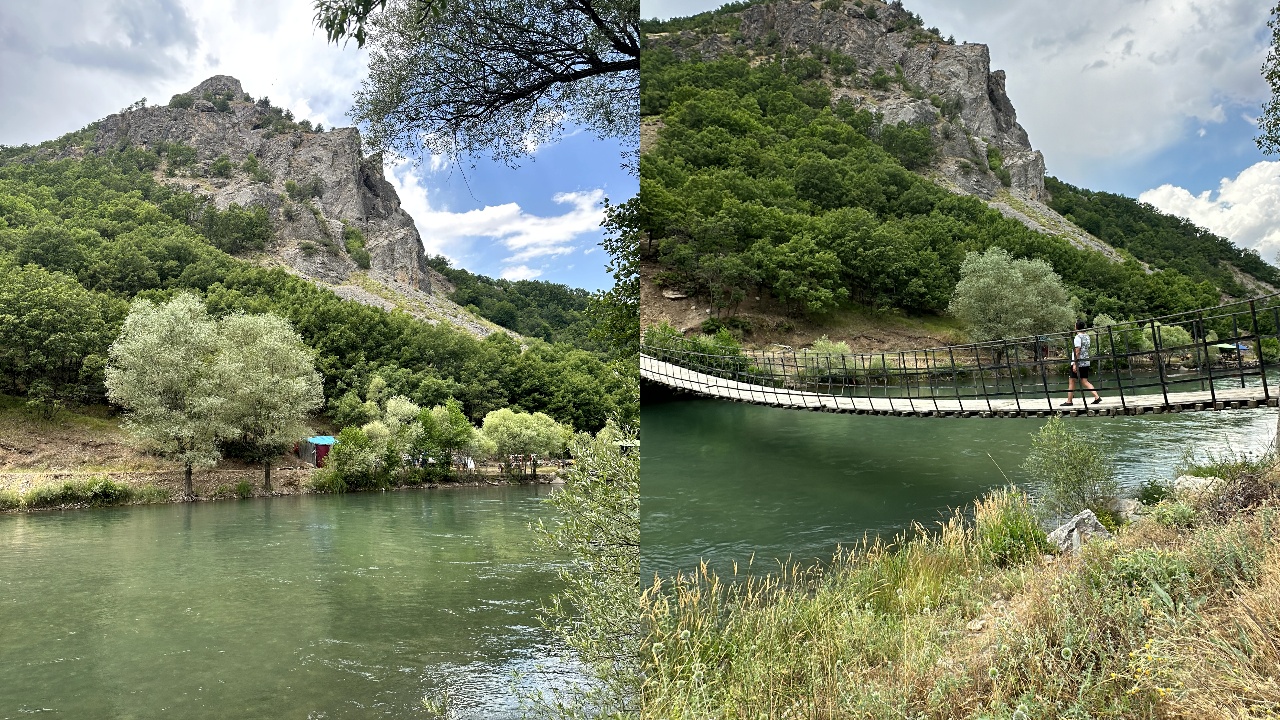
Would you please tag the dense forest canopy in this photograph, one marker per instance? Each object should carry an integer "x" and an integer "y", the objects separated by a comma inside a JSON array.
[
  {"x": 533, "y": 308},
  {"x": 757, "y": 180},
  {"x": 80, "y": 238},
  {"x": 1163, "y": 241}
]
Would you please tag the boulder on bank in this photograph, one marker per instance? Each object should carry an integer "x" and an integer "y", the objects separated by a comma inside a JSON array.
[
  {"x": 1194, "y": 484},
  {"x": 1077, "y": 531}
]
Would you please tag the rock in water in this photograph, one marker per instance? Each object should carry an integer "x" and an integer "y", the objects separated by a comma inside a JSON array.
[{"x": 1077, "y": 531}]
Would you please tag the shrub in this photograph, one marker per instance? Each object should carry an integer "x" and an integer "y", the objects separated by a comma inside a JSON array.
[
  {"x": 1174, "y": 513},
  {"x": 996, "y": 160},
  {"x": 1072, "y": 471},
  {"x": 222, "y": 167},
  {"x": 353, "y": 240},
  {"x": 1006, "y": 530},
  {"x": 328, "y": 480},
  {"x": 182, "y": 101},
  {"x": 1153, "y": 490},
  {"x": 244, "y": 489},
  {"x": 9, "y": 499},
  {"x": 304, "y": 190},
  {"x": 180, "y": 156},
  {"x": 255, "y": 169},
  {"x": 712, "y": 325},
  {"x": 95, "y": 493}
]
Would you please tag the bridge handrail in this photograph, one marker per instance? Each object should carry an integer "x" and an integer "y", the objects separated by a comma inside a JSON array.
[{"x": 1212, "y": 342}]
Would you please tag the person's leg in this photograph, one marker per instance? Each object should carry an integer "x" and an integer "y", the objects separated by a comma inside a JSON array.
[
  {"x": 1085, "y": 383},
  {"x": 1071, "y": 386}
]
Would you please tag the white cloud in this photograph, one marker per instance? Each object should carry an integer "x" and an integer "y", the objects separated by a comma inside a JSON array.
[
  {"x": 65, "y": 63},
  {"x": 525, "y": 236},
  {"x": 1245, "y": 209},
  {"x": 1161, "y": 70},
  {"x": 520, "y": 272}
]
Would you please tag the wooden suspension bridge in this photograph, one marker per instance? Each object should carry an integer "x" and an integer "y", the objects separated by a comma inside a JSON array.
[{"x": 1220, "y": 358}]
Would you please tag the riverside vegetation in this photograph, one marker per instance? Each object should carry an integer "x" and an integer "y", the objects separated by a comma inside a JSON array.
[{"x": 1175, "y": 617}]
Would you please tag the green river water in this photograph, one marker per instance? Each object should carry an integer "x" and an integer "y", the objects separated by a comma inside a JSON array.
[
  {"x": 349, "y": 606},
  {"x": 726, "y": 481}
]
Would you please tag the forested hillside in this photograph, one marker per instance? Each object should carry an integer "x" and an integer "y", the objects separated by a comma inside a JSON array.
[
  {"x": 1161, "y": 240},
  {"x": 80, "y": 238},
  {"x": 756, "y": 182},
  {"x": 533, "y": 308}
]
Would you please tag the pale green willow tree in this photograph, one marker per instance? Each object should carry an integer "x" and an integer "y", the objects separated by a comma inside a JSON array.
[
  {"x": 598, "y": 613},
  {"x": 162, "y": 370},
  {"x": 270, "y": 385},
  {"x": 517, "y": 433},
  {"x": 1002, "y": 297}
]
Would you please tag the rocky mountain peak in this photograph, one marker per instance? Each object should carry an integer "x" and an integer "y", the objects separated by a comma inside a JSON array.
[
  {"x": 894, "y": 67},
  {"x": 327, "y": 201},
  {"x": 218, "y": 84}
]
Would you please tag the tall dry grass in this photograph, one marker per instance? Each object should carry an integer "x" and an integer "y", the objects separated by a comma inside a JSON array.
[{"x": 971, "y": 620}]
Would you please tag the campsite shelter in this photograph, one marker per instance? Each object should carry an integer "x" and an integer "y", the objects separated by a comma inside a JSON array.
[{"x": 315, "y": 449}]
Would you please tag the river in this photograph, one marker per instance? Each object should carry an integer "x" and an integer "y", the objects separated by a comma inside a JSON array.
[
  {"x": 727, "y": 482},
  {"x": 317, "y": 606}
]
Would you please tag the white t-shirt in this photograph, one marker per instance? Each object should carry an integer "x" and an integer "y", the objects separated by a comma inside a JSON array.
[{"x": 1082, "y": 344}]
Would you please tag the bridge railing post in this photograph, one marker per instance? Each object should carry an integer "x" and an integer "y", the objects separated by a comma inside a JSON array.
[
  {"x": 1208, "y": 361},
  {"x": 1013, "y": 366},
  {"x": 1235, "y": 334},
  {"x": 1257, "y": 344},
  {"x": 981, "y": 379},
  {"x": 1115, "y": 365},
  {"x": 1157, "y": 343}
]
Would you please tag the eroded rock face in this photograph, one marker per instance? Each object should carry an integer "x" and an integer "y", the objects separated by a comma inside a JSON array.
[
  {"x": 979, "y": 113},
  {"x": 308, "y": 232}
]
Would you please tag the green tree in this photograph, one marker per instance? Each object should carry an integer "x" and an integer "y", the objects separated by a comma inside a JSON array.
[
  {"x": 1269, "y": 124},
  {"x": 222, "y": 166},
  {"x": 496, "y": 77},
  {"x": 53, "y": 333},
  {"x": 1002, "y": 297},
  {"x": 617, "y": 310},
  {"x": 598, "y": 613},
  {"x": 270, "y": 385},
  {"x": 163, "y": 371},
  {"x": 518, "y": 433},
  {"x": 1071, "y": 470},
  {"x": 445, "y": 431}
]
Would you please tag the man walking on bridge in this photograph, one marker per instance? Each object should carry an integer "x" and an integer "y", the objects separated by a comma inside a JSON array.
[{"x": 1080, "y": 365}]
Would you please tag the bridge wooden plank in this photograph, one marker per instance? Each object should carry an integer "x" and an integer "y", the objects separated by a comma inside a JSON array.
[{"x": 682, "y": 378}]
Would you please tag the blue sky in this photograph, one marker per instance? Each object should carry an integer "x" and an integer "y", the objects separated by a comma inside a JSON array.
[
  {"x": 66, "y": 63},
  {"x": 1153, "y": 100}
]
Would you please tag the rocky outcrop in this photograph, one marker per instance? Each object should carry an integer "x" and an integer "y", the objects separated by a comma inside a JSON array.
[
  {"x": 947, "y": 87},
  {"x": 351, "y": 188}
]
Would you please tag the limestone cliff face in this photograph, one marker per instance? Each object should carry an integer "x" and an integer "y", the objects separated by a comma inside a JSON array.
[
  {"x": 948, "y": 88},
  {"x": 308, "y": 232}
]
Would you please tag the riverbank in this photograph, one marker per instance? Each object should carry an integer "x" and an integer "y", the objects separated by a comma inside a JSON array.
[
  {"x": 21, "y": 492},
  {"x": 1174, "y": 617},
  {"x": 82, "y": 458}
]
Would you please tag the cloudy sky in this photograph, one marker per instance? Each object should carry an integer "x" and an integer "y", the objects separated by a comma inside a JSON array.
[
  {"x": 1153, "y": 99},
  {"x": 66, "y": 63}
]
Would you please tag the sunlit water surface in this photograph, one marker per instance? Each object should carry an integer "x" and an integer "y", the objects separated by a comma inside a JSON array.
[
  {"x": 350, "y": 606},
  {"x": 726, "y": 481}
]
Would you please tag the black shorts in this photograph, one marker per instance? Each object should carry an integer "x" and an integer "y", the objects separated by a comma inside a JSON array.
[{"x": 1080, "y": 373}]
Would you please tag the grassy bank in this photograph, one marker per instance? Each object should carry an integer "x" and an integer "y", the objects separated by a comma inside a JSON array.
[
  {"x": 82, "y": 458},
  {"x": 1177, "y": 617}
]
